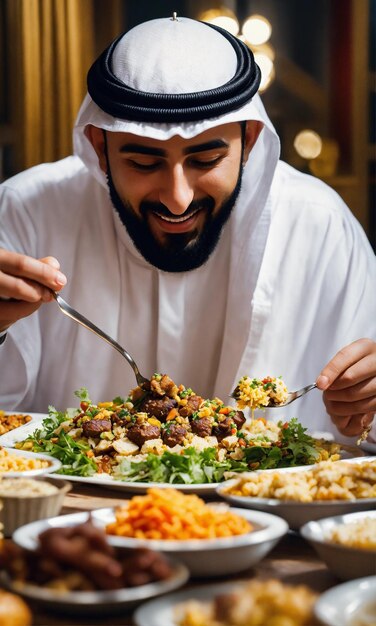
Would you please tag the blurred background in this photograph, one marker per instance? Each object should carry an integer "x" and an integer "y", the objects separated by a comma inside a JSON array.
[{"x": 317, "y": 59}]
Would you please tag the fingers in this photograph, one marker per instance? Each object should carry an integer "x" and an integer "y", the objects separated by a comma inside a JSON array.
[
  {"x": 360, "y": 398},
  {"x": 350, "y": 365},
  {"x": 352, "y": 425},
  {"x": 28, "y": 279},
  {"x": 25, "y": 283}
]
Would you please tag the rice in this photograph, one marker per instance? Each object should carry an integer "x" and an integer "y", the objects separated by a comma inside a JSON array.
[
  {"x": 25, "y": 487},
  {"x": 327, "y": 480},
  {"x": 360, "y": 534},
  {"x": 14, "y": 463},
  {"x": 256, "y": 393}
]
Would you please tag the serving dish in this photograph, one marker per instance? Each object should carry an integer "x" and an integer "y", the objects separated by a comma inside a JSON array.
[
  {"x": 8, "y": 439},
  {"x": 350, "y": 604},
  {"x": 203, "y": 557},
  {"x": 106, "y": 480},
  {"x": 19, "y": 510},
  {"x": 296, "y": 513},
  {"x": 53, "y": 463},
  {"x": 344, "y": 561},
  {"x": 98, "y": 602}
]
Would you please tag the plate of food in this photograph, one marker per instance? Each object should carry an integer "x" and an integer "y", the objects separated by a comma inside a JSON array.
[
  {"x": 21, "y": 463},
  {"x": 209, "y": 539},
  {"x": 170, "y": 435},
  {"x": 73, "y": 569},
  {"x": 221, "y": 605},
  {"x": 346, "y": 543},
  {"x": 350, "y": 604},
  {"x": 11, "y": 421},
  {"x": 300, "y": 495}
]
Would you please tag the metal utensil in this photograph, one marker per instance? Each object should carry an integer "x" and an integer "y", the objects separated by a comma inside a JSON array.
[
  {"x": 292, "y": 396},
  {"x": 74, "y": 315}
]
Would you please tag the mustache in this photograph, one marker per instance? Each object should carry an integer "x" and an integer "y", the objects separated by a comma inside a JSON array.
[{"x": 159, "y": 208}]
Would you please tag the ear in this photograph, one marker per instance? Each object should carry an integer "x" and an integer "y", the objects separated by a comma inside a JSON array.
[
  {"x": 96, "y": 137},
  {"x": 252, "y": 131}
]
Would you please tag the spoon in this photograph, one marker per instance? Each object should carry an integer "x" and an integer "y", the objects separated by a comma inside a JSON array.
[
  {"x": 291, "y": 397},
  {"x": 142, "y": 382}
]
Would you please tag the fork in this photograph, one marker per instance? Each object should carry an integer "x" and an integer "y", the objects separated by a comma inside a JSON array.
[
  {"x": 142, "y": 382},
  {"x": 292, "y": 396}
]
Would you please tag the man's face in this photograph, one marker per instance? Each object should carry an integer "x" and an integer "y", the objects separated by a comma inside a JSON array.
[{"x": 174, "y": 196}]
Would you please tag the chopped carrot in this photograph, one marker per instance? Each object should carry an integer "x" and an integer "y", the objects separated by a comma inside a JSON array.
[{"x": 171, "y": 414}]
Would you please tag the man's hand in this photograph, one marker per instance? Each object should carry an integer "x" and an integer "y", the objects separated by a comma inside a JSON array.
[
  {"x": 349, "y": 385},
  {"x": 24, "y": 285}
]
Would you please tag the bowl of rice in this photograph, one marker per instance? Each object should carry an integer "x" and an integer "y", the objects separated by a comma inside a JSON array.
[
  {"x": 26, "y": 500},
  {"x": 303, "y": 494},
  {"x": 346, "y": 543}
]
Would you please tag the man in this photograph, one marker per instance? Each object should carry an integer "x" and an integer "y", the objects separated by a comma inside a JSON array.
[{"x": 182, "y": 235}]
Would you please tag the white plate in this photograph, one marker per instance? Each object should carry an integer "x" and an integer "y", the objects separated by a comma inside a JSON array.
[
  {"x": 298, "y": 513},
  {"x": 349, "y": 604},
  {"x": 161, "y": 612},
  {"x": 203, "y": 557},
  {"x": 344, "y": 561},
  {"x": 54, "y": 464},
  {"x": 98, "y": 602},
  {"x": 19, "y": 433},
  {"x": 104, "y": 480}
]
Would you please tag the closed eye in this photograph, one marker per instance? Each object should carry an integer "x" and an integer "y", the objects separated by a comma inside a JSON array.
[
  {"x": 207, "y": 164},
  {"x": 144, "y": 167}
]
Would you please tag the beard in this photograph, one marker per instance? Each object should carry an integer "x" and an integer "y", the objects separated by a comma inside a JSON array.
[{"x": 180, "y": 252}]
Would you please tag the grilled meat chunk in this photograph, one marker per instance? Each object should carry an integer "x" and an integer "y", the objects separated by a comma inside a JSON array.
[
  {"x": 158, "y": 407},
  {"x": 139, "y": 433},
  {"x": 202, "y": 427},
  {"x": 173, "y": 435},
  {"x": 94, "y": 428}
]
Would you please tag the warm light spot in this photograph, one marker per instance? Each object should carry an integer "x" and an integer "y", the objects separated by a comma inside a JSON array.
[
  {"x": 257, "y": 30},
  {"x": 223, "y": 17},
  {"x": 266, "y": 66},
  {"x": 308, "y": 144}
]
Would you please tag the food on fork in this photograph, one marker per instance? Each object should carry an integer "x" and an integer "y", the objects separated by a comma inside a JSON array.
[{"x": 257, "y": 393}]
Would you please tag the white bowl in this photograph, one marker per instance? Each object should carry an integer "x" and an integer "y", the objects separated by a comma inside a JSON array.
[
  {"x": 19, "y": 510},
  {"x": 203, "y": 557},
  {"x": 349, "y": 604},
  {"x": 344, "y": 561},
  {"x": 53, "y": 464},
  {"x": 296, "y": 513}
]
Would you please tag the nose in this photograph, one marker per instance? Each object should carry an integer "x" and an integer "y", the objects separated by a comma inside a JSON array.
[{"x": 176, "y": 191}]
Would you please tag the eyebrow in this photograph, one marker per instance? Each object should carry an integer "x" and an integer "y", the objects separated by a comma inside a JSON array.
[{"x": 202, "y": 147}]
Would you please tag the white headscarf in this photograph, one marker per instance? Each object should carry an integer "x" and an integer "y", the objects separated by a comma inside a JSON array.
[{"x": 171, "y": 56}]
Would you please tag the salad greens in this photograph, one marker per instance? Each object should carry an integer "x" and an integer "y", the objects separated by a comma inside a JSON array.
[{"x": 295, "y": 447}]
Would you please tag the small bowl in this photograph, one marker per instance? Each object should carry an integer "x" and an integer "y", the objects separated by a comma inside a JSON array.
[
  {"x": 21, "y": 509},
  {"x": 344, "y": 561},
  {"x": 349, "y": 604}
]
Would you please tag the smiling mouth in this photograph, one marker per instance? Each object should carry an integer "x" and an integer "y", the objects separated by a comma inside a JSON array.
[{"x": 176, "y": 220}]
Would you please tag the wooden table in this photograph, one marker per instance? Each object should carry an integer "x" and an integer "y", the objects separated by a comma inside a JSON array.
[{"x": 292, "y": 561}]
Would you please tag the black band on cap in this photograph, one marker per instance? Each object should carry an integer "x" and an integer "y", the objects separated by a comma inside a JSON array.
[{"x": 117, "y": 99}]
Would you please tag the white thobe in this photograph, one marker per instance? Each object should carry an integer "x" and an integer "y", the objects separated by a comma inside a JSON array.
[{"x": 291, "y": 281}]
